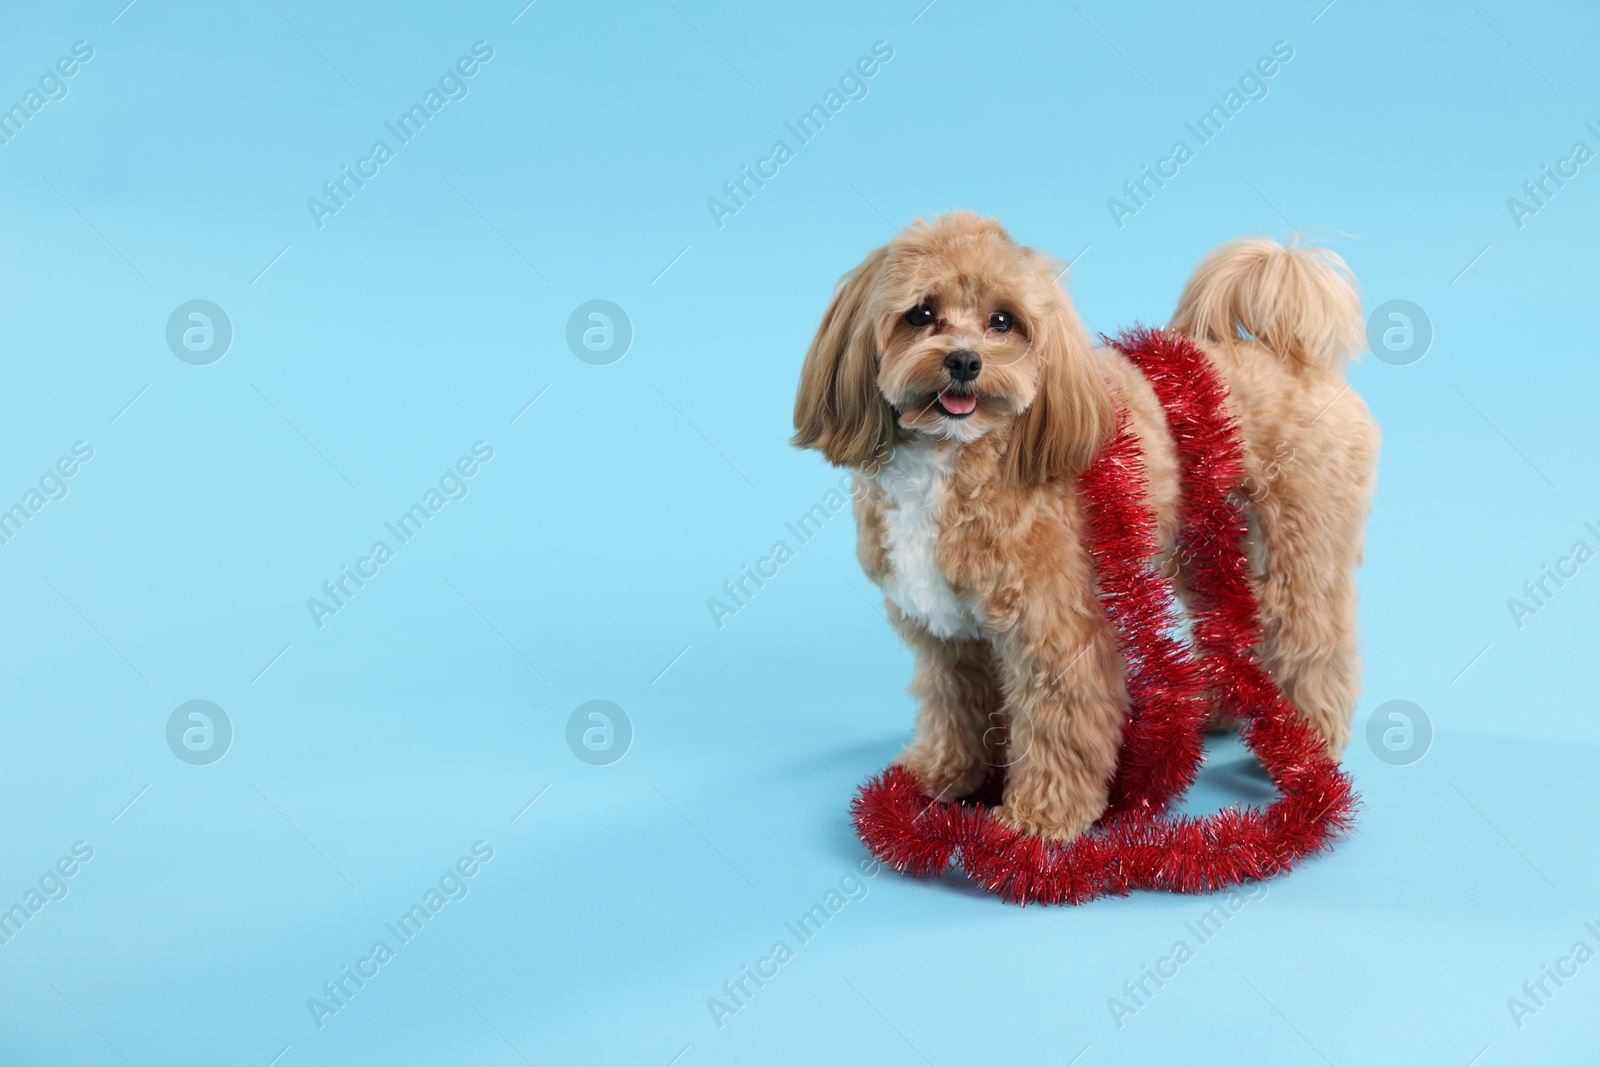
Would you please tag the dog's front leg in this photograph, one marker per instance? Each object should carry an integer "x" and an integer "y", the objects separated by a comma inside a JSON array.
[
  {"x": 1065, "y": 704},
  {"x": 958, "y": 711}
]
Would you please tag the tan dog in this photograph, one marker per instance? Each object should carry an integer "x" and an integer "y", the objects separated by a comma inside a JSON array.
[{"x": 953, "y": 375}]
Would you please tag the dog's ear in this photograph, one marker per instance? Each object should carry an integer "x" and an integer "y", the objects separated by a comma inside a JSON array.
[
  {"x": 1071, "y": 415},
  {"x": 839, "y": 410}
]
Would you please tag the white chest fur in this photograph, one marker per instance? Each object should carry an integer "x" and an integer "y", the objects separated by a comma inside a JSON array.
[{"x": 913, "y": 484}]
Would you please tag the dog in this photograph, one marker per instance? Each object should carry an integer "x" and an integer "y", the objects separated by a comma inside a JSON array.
[{"x": 951, "y": 373}]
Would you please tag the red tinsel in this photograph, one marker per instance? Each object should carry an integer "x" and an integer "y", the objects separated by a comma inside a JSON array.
[{"x": 1138, "y": 844}]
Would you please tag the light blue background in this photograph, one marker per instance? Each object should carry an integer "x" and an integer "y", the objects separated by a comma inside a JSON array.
[{"x": 428, "y": 713}]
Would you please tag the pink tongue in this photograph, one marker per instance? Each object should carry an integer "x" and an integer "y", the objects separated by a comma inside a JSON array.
[{"x": 958, "y": 404}]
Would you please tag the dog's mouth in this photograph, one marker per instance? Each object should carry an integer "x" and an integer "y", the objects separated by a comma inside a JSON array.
[{"x": 955, "y": 405}]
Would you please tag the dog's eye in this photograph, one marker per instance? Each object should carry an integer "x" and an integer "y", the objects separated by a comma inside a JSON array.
[
  {"x": 1000, "y": 322},
  {"x": 921, "y": 315}
]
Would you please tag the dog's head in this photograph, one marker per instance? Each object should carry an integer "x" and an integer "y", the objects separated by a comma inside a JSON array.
[{"x": 953, "y": 330}]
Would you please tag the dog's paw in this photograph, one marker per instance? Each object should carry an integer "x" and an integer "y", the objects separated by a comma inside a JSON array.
[
  {"x": 1041, "y": 825},
  {"x": 943, "y": 780}
]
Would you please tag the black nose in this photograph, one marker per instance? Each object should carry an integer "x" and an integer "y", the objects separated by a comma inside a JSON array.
[{"x": 963, "y": 364}]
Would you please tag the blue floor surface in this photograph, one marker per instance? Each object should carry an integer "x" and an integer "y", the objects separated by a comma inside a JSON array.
[{"x": 243, "y": 342}]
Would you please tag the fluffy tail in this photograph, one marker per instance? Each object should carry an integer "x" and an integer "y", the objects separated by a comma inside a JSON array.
[{"x": 1299, "y": 303}]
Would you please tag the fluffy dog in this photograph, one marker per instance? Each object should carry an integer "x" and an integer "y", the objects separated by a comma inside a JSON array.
[{"x": 952, "y": 373}]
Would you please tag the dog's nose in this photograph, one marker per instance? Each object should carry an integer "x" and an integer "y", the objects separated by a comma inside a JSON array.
[{"x": 963, "y": 364}]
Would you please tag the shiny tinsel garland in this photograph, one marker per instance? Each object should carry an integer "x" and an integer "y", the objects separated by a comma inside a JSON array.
[{"x": 1138, "y": 844}]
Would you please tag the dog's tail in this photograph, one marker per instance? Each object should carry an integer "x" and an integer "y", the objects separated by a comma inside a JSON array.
[{"x": 1298, "y": 302}]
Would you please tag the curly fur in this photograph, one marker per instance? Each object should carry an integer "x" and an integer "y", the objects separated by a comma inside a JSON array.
[{"x": 973, "y": 528}]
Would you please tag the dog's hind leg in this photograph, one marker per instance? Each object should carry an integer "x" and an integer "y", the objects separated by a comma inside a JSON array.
[
  {"x": 1279, "y": 323},
  {"x": 1311, "y": 520}
]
